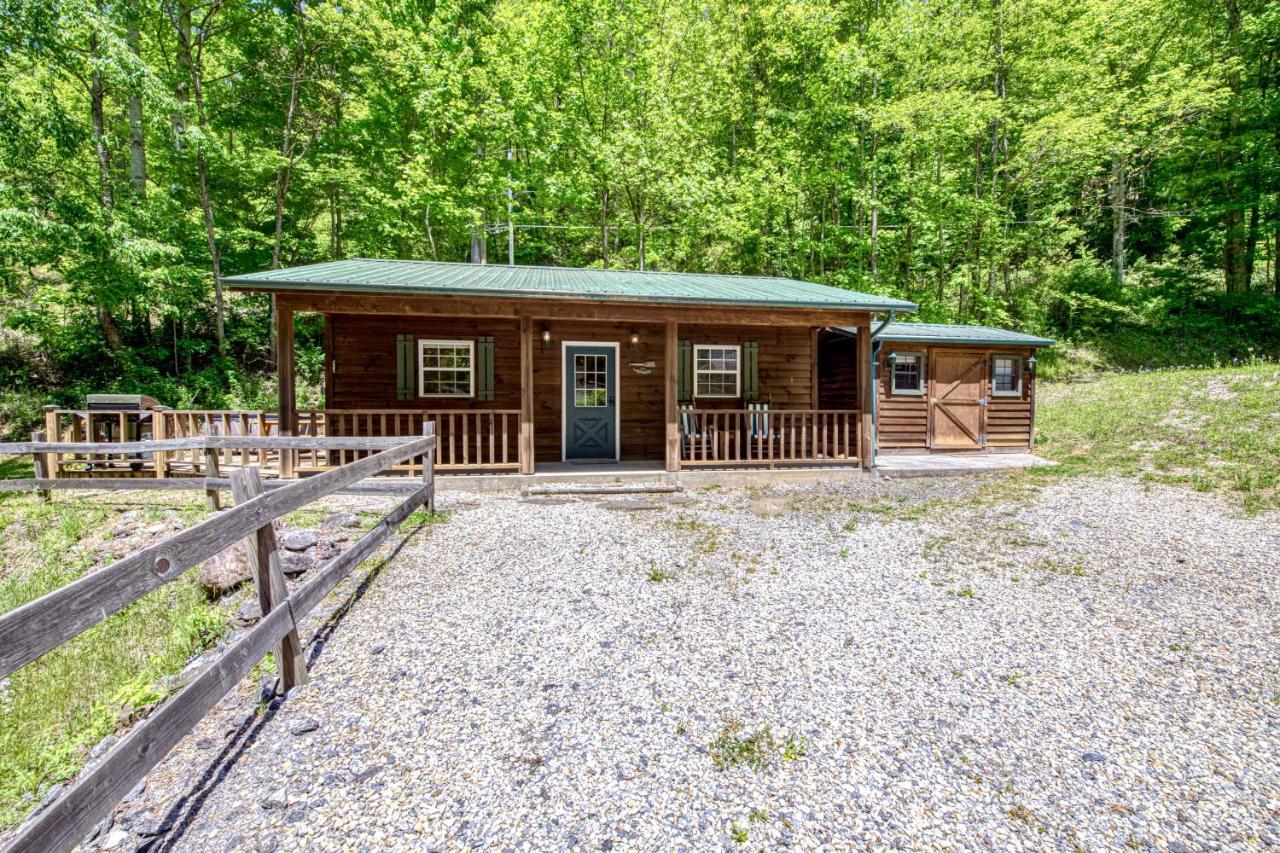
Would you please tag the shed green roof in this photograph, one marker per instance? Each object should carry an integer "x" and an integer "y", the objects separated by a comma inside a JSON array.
[
  {"x": 362, "y": 275},
  {"x": 948, "y": 333}
]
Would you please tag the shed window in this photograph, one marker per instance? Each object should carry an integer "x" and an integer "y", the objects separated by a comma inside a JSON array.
[
  {"x": 908, "y": 373},
  {"x": 716, "y": 371},
  {"x": 446, "y": 368},
  {"x": 1006, "y": 376}
]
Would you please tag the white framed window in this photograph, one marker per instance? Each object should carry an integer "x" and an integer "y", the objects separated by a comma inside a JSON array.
[
  {"x": 908, "y": 373},
  {"x": 1006, "y": 376},
  {"x": 717, "y": 371},
  {"x": 446, "y": 368},
  {"x": 590, "y": 381}
]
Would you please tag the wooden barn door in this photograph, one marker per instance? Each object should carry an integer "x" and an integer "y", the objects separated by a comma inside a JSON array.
[{"x": 958, "y": 401}]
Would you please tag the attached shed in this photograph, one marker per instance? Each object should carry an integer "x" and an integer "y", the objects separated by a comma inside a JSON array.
[{"x": 939, "y": 387}]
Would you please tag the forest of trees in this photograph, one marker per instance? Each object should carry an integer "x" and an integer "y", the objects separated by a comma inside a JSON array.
[{"x": 1104, "y": 172}]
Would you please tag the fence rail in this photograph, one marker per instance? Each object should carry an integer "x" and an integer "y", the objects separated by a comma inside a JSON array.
[
  {"x": 769, "y": 437},
  {"x": 36, "y": 628}
]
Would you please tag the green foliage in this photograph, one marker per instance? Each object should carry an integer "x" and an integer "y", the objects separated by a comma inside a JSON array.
[
  {"x": 55, "y": 709},
  {"x": 1105, "y": 173}
]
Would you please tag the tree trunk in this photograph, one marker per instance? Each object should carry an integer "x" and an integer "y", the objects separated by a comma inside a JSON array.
[
  {"x": 1275, "y": 262},
  {"x": 1118, "y": 194},
  {"x": 182, "y": 87},
  {"x": 604, "y": 226},
  {"x": 106, "y": 199},
  {"x": 1251, "y": 246},
  {"x": 426, "y": 220},
  {"x": 285, "y": 173},
  {"x": 1233, "y": 246},
  {"x": 192, "y": 59},
  {"x": 137, "y": 142}
]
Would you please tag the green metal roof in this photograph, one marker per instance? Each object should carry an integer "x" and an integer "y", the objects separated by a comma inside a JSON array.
[
  {"x": 362, "y": 275},
  {"x": 946, "y": 333}
]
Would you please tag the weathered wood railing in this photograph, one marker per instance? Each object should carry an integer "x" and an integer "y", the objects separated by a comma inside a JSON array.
[
  {"x": 769, "y": 437},
  {"x": 477, "y": 440},
  {"x": 482, "y": 439},
  {"x": 40, "y": 626},
  {"x": 115, "y": 426}
]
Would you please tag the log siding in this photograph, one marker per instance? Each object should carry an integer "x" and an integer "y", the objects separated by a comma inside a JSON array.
[
  {"x": 904, "y": 421},
  {"x": 361, "y": 366}
]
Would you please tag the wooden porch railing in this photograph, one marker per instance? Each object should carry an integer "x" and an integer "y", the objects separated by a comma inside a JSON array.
[
  {"x": 769, "y": 437},
  {"x": 482, "y": 440}
]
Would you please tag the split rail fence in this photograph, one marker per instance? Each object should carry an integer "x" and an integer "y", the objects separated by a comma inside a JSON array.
[{"x": 32, "y": 630}]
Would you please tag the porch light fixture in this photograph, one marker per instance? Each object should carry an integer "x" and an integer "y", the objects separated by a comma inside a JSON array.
[
  {"x": 546, "y": 337},
  {"x": 893, "y": 360},
  {"x": 635, "y": 338},
  {"x": 1031, "y": 365}
]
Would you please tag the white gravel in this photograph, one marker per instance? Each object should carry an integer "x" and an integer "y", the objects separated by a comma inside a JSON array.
[{"x": 1091, "y": 665}]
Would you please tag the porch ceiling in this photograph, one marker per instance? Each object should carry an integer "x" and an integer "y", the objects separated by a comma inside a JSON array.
[{"x": 362, "y": 275}]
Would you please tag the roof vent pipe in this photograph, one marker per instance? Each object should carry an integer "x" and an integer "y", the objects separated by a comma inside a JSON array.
[{"x": 478, "y": 245}]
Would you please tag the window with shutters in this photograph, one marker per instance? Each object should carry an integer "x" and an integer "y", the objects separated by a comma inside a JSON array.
[
  {"x": 717, "y": 371},
  {"x": 446, "y": 368},
  {"x": 1006, "y": 376},
  {"x": 908, "y": 373}
]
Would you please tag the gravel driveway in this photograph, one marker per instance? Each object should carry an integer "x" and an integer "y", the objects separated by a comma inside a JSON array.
[{"x": 924, "y": 664}]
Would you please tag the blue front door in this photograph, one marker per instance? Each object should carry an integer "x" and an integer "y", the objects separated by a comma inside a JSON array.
[{"x": 590, "y": 403}]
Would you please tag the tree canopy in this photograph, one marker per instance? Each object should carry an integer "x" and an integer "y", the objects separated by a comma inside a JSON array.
[{"x": 1066, "y": 166}]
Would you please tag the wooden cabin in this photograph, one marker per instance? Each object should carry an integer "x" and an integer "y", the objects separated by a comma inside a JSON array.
[
  {"x": 938, "y": 387},
  {"x": 529, "y": 368}
]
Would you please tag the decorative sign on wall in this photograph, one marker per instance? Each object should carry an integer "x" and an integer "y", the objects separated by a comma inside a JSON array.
[{"x": 643, "y": 367}]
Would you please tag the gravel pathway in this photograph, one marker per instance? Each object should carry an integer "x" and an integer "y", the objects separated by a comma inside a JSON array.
[{"x": 926, "y": 664}]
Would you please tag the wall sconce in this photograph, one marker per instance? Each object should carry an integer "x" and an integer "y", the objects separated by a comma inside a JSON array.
[
  {"x": 893, "y": 360},
  {"x": 1031, "y": 365},
  {"x": 635, "y": 338},
  {"x": 546, "y": 337}
]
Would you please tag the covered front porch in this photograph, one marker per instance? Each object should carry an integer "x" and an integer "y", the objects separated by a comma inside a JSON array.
[{"x": 574, "y": 397}]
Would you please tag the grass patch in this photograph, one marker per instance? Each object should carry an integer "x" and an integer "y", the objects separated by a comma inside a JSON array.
[
  {"x": 1212, "y": 430},
  {"x": 757, "y": 750},
  {"x": 55, "y": 709}
]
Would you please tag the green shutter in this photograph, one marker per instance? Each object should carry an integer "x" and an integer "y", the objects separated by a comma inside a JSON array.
[
  {"x": 684, "y": 372},
  {"x": 751, "y": 370},
  {"x": 405, "y": 359},
  {"x": 484, "y": 368}
]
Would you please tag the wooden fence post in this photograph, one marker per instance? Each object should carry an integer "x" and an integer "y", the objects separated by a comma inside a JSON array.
[
  {"x": 53, "y": 432},
  {"x": 428, "y": 466},
  {"x": 159, "y": 430},
  {"x": 41, "y": 465},
  {"x": 212, "y": 469},
  {"x": 268, "y": 580}
]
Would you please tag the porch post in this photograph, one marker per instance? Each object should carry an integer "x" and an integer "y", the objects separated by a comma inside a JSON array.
[
  {"x": 670, "y": 368},
  {"x": 865, "y": 390},
  {"x": 287, "y": 399},
  {"x": 526, "y": 395}
]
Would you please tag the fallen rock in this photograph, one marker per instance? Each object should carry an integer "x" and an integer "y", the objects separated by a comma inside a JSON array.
[
  {"x": 114, "y": 839},
  {"x": 224, "y": 571},
  {"x": 294, "y": 564},
  {"x": 247, "y": 614},
  {"x": 303, "y": 725},
  {"x": 298, "y": 540},
  {"x": 342, "y": 519},
  {"x": 276, "y": 799},
  {"x": 1094, "y": 756},
  {"x": 326, "y": 551}
]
